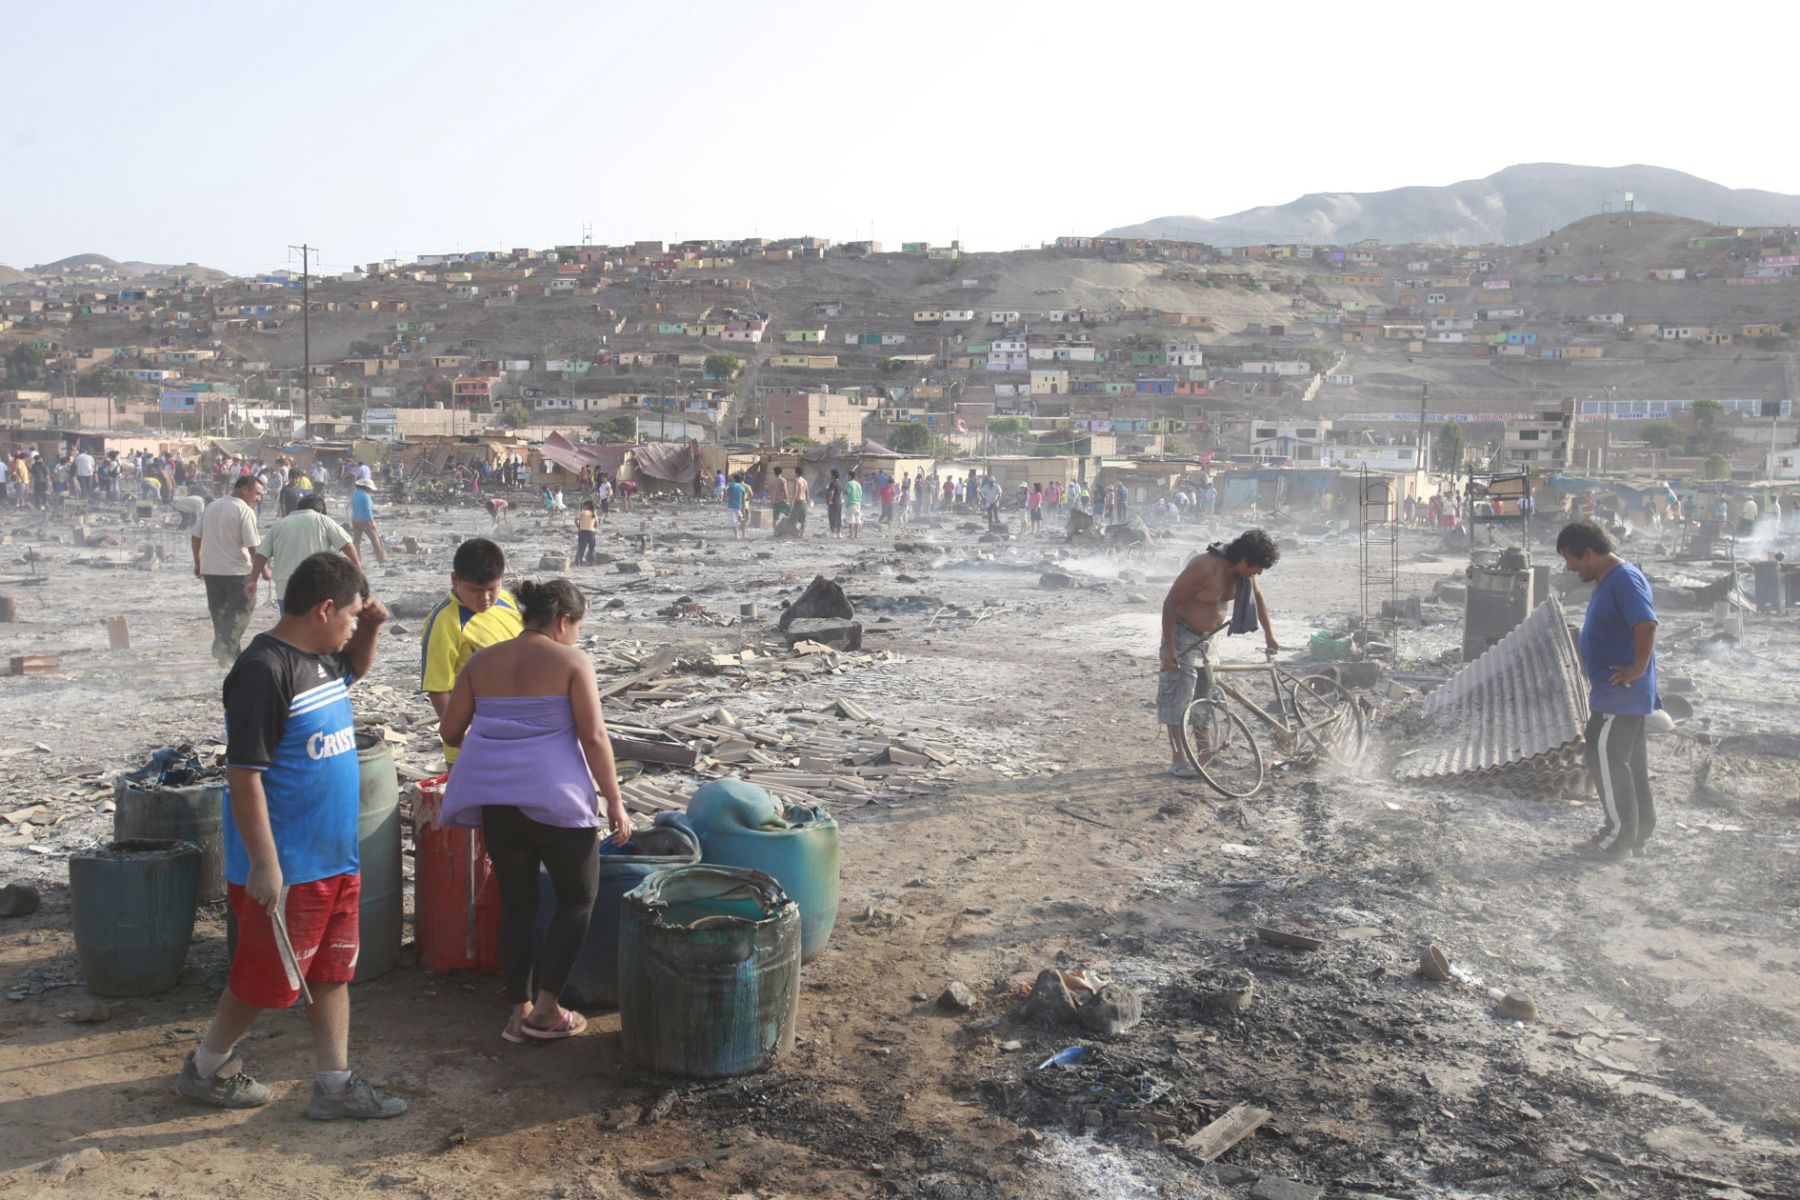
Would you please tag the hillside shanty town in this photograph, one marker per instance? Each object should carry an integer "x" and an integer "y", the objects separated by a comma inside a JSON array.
[{"x": 1137, "y": 716}]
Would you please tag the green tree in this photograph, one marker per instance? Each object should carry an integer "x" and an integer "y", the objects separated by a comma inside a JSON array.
[
  {"x": 797, "y": 441},
  {"x": 1717, "y": 466},
  {"x": 1008, "y": 426},
  {"x": 615, "y": 429},
  {"x": 1706, "y": 438},
  {"x": 24, "y": 362},
  {"x": 115, "y": 384},
  {"x": 1319, "y": 358},
  {"x": 1450, "y": 445},
  {"x": 722, "y": 366},
  {"x": 1661, "y": 435},
  {"x": 914, "y": 438},
  {"x": 889, "y": 365},
  {"x": 515, "y": 416}
]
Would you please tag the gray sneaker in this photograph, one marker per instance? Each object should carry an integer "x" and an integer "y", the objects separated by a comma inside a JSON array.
[
  {"x": 360, "y": 1100},
  {"x": 224, "y": 1090}
]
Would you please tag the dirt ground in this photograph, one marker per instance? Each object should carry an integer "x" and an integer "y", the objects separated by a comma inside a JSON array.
[{"x": 1664, "y": 1062}]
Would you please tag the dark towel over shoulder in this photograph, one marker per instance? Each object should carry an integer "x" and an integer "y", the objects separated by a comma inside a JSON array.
[
  {"x": 1243, "y": 609},
  {"x": 1243, "y": 605}
]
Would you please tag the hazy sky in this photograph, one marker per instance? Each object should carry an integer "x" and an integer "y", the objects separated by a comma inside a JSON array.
[{"x": 218, "y": 133}]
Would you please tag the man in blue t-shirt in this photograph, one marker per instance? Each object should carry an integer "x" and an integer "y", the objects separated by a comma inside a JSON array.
[
  {"x": 291, "y": 866},
  {"x": 362, "y": 517},
  {"x": 1618, "y": 651},
  {"x": 737, "y": 506}
]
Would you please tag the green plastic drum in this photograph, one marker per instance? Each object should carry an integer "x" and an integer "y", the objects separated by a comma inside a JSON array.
[{"x": 741, "y": 825}]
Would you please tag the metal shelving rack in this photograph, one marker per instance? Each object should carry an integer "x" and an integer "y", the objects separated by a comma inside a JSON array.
[{"x": 1378, "y": 519}]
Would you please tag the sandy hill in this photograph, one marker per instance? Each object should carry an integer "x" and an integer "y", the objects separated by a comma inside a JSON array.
[
  {"x": 112, "y": 268},
  {"x": 77, "y": 262},
  {"x": 1514, "y": 205}
]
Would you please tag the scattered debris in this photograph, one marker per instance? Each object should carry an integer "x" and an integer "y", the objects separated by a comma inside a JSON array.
[
  {"x": 1434, "y": 964},
  {"x": 100, "y": 1012},
  {"x": 678, "y": 1166},
  {"x": 957, "y": 997},
  {"x": 1225, "y": 992},
  {"x": 1273, "y": 1187},
  {"x": 1519, "y": 1006},
  {"x": 1238, "y": 1123},
  {"x": 826, "y": 631},
  {"x": 73, "y": 1164},
  {"x": 822, "y": 599},
  {"x": 1064, "y": 1057},
  {"x": 1113, "y": 1009},
  {"x": 18, "y": 900},
  {"x": 1293, "y": 941},
  {"x": 1049, "y": 1001}
]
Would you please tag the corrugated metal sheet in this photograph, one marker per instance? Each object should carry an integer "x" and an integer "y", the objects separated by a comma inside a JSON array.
[{"x": 1516, "y": 713}]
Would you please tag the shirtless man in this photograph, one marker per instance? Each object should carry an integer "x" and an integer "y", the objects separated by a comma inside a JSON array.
[
  {"x": 778, "y": 497},
  {"x": 802, "y": 494},
  {"x": 1197, "y": 607}
]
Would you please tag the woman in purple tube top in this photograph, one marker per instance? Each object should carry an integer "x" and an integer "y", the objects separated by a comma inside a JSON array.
[{"x": 526, "y": 716}]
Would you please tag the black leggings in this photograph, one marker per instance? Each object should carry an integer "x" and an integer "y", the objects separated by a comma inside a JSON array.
[{"x": 516, "y": 844}]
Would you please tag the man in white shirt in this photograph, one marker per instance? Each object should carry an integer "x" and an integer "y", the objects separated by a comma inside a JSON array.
[
  {"x": 990, "y": 499},
  {"x": 84, "y": 472},
  {"x": 295, "y": 538},
  {"x": 224, "y": 547}
]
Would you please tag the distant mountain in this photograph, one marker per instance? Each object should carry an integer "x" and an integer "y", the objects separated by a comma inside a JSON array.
[
  {"x": 100, "y": 266},
  {"x": 76, "y": 262},
  {"x": 1518, "y": 204}
]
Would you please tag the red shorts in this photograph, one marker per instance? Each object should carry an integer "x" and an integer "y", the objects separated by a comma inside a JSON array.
[{"x": 322, "y": 925}]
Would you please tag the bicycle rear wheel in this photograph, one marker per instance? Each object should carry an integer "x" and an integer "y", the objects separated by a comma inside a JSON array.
[{"x": 1220, "y": 746}]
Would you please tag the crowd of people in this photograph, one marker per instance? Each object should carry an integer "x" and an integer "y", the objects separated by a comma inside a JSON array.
[{"x": 851, "y": 497}]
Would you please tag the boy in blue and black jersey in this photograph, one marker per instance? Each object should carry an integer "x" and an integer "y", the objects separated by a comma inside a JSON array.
[{"x": 293, "y": 793}]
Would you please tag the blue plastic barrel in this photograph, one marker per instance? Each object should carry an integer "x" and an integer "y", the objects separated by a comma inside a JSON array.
[
  {"x": 594, "y": 980},
  {"x": 133, "y": 904},
  {"x": 709, "y": 972},
  {"x": 741, "y": 825}
]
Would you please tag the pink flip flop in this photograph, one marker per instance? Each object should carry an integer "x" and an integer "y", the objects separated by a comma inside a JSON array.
[
  {"x": 510, "y": 1031},
  {"x": 571, "y": 1024}
]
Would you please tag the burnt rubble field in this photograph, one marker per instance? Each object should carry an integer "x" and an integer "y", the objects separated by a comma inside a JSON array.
[{"x": 988, "y": 744}]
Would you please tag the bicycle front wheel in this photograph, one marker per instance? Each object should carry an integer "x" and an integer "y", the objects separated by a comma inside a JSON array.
[
  {"x": 1220, "y": 746},
  {"x": 1329, "y": 717}
]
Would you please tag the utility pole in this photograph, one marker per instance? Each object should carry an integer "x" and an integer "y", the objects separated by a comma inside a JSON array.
[
  {"x": 1424, "y": 394},
  {"x": 306, "y": 253}
]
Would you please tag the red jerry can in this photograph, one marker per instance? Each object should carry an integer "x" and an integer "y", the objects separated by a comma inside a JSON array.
[{"x": 456, "y": 900}]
